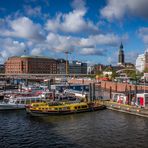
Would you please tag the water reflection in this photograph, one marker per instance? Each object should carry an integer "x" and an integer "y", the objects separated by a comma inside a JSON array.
[{"x": 95, "y": 129}]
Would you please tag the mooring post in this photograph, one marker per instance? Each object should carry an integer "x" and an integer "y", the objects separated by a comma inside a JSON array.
[
  {"x": 90, "y": 93},
  {"x": 116, "y": 87},
  {"x": 110, "y": 92},
  {"x": 49, "y": 84},
  {"x": 93, "y": 92},
  {"x": 129, "y": 94}
]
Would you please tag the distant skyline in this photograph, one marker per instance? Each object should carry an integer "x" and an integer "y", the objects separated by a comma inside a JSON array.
[{"x": 91, "y": 30}]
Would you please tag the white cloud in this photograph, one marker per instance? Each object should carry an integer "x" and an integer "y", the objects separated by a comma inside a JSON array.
[
  {"x": 110, "y": 60},
  {"x": 143, "y": 33},
  {"x": 101, "y": 39},
  {"x": 30, "y": 11},
  {"x": 37, "y": 51},
  {"x": 93, "y": 51},
  {"x": 61, "y": 43},
  {"x": 79, "y": 4},
  {"x": 90, "y": 44},
  {"x": 93, "y": 45},
  {"x": 73, "y": 22},
  {"x": 130, "y": 54},
  {"x": 10, "y": 47},
  {"x": 23, "y": 27},
  {"x": 116, "y": 9}
]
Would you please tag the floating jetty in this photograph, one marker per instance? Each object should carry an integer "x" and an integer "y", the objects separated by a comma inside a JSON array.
[{"x": 134, "y": 110}]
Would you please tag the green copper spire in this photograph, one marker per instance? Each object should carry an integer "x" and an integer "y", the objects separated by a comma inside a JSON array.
[
  {"x": 121, "y": 55},
  {"x": 121, "y": 46}
]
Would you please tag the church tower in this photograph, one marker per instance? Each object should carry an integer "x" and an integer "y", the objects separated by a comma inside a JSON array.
[{"x": 121, "y": 55}]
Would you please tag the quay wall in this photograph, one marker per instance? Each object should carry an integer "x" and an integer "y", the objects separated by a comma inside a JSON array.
[
  {"x": 80, "y": 81},
  {"x": 114, "y": 86},
  {"x": 134, "y": 110}
]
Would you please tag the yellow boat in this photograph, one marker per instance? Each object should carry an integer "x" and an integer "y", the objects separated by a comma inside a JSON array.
[{"x": 37, "y": 109}]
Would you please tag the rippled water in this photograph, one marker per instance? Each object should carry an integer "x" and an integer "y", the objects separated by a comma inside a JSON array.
[{"x": 101, "y": 129}]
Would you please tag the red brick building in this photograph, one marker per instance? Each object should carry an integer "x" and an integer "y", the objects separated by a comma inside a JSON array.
[{"x": 30, "y": 64}]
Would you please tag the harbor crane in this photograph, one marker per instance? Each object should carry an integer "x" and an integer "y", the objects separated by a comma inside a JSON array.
[
  {"x": 67, "y": 52},
  {"x": 67, "y": 68}
]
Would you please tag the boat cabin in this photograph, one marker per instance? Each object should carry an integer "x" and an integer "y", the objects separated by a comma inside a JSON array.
[{"x": 23, "y": 100}]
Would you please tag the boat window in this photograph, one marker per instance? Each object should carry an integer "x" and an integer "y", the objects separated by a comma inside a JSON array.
[
  {"x": 56, "y": 108},
  {"x": 78, "y": 107},
  {"x": 32, "y": 101},
  {"x": 75, "y": 107},
  {"x": 27, "y": 101},
  {"x": 17, "y": 102},
  {"x": 84, "y": 106},
  {"x": 68, "y": 107},
  {"x": 60, "y": 108},
  {"x": 22, "y": 101},
  {"x": 37, "y": 99},
  {"x": 35, "y": 105}
]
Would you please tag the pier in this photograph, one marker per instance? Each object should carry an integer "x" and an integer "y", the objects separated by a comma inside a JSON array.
[{"x": 134, "y": 110}]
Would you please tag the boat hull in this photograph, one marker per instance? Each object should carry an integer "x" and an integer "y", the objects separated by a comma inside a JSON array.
[
  {"x": 58, "y": 113},
  {"x": 11, "y": 107}
]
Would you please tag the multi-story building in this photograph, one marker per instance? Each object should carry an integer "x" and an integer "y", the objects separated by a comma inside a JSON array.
[
  {"x": 61, "y": 66},
  {"x": 146, "y": 59},
  {"x": 141, "y": 62},
  {"x": 2, "y": 68},
  {"x": 98, "y": 68},
  {"x": 30, "y": 64},
  {"x": 77, "y": 67},
  {"x": 90, "y": 69}
]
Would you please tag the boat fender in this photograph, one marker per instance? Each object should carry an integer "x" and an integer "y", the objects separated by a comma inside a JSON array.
[{"x": 138, "y": 110}]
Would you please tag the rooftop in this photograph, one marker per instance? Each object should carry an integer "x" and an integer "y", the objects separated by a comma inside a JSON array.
[{"x": 27, "y": 56}]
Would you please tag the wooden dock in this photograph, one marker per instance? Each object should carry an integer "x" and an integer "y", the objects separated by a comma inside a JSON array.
[{"x": 134, "y": 110}]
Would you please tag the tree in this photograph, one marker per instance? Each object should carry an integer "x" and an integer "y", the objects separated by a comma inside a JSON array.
[
  {"x": 114, "y": 74},
  {"x": 145, "y": 70}
]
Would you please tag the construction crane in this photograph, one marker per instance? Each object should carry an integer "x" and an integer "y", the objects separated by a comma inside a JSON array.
[
  {"x": 67, "y": 68},
  {"x": 67, "y": 52}
]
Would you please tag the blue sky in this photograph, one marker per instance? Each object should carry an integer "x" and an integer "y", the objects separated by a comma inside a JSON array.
[{"x": 91, "y": 30}]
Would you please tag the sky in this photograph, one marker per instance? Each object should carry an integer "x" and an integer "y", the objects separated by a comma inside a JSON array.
[{"x": 90, "y": 30}]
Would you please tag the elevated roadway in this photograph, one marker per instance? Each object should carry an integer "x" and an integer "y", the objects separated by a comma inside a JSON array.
[{"x": 41, "y": 76}]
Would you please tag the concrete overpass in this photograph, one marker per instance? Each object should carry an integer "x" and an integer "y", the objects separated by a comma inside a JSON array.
[{"x": 41, "y": 76}]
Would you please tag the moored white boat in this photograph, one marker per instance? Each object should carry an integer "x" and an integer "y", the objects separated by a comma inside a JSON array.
[
  {"x": 80, "y": 94},
  {"x": 18, "y": 103}
]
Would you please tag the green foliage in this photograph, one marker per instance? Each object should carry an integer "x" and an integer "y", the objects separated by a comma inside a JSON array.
[
  {"x": 108, "y": 69},
  {"x": 114, "y": 74},
  {"x": 145, "y": 70},
  {"x": 134, "y": 74}
]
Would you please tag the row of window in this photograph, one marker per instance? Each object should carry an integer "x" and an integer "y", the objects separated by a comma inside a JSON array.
[{"x": 65, "y": 108}]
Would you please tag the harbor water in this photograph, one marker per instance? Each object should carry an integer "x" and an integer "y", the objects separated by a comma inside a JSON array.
[{"x": 100, "y": 129}]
